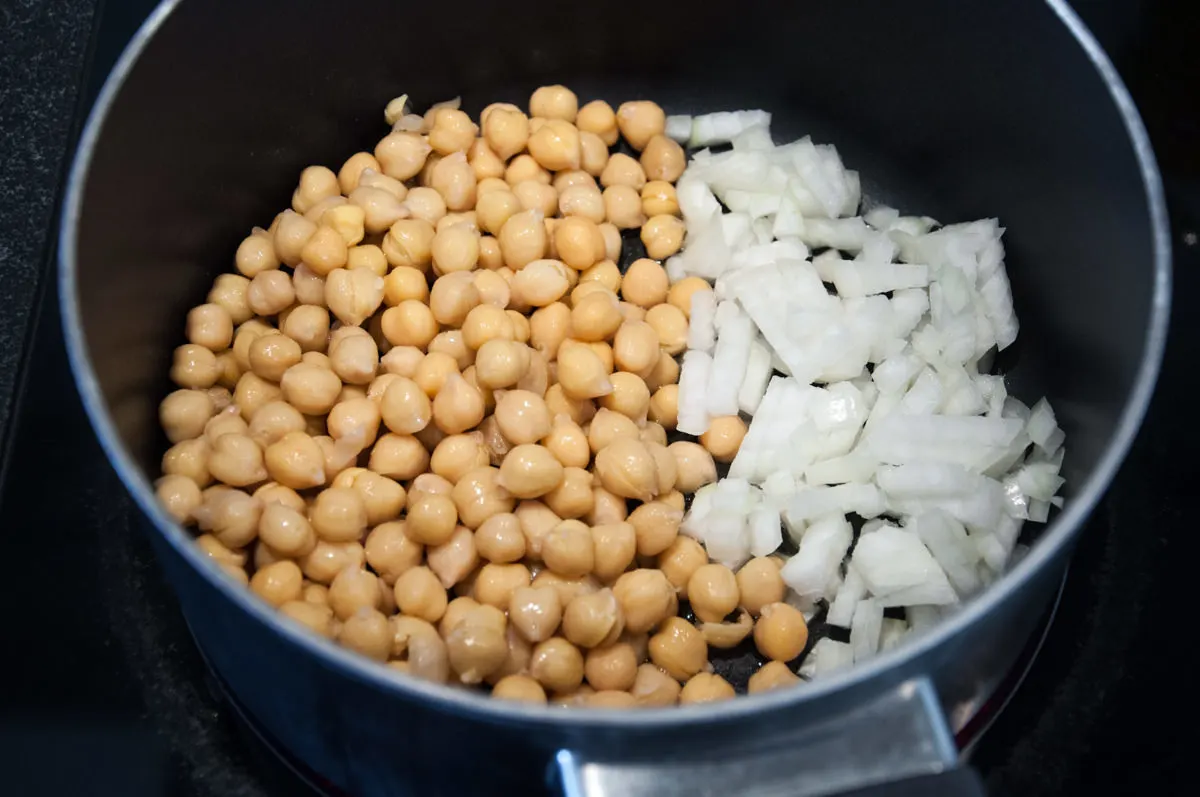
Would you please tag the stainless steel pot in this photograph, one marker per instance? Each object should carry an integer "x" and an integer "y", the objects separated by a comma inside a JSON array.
[{"x": 977, "y": 108}]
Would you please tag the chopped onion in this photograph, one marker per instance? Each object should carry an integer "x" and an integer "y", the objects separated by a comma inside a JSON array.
[{"x": 865, "y": 628}]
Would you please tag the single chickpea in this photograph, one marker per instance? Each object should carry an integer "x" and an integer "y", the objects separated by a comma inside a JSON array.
[
  {"x": 194, "y": 366},
  {"x": 596, "y": 316},
  {"x": 713, "y": 592},
  {"x": 458, "y": 406},
  {"x": 179, "y": 496},
  {"x": 210, "y": 325},
  {"x": 582, "y": 201},
  {"x": 417, "y": 645},
  {"x": 402, "y": 155},
  {"x": 349, "y": 221},
  {"x": 501, "y": 363},
  {"x": 646, "y": 599},
  {"x": 398, "y": 456},
  {"x": 354, "y": 359},
  {"x": 629, "y": 396},
  {"x": 211, "y": 547},
  {"x": 381, "y": 209},
  {"x": 309, "y": 326},
  {"x": 611, "y": 667},
  {"x": 639, "y": 121},
  {"x": 286, "y": 530},
  {"x": 236, "y": 460},
  {"x": 606, "y": 508},
  {"x": 663, "y": 159},
  {"x": 781, "y": 632},
  {"x": 493, "y": 289},
  {"x": 367, "y": 632},
  {"x": 368, "y": 256},
  {"x": 535, "y": 612},
  {"x": 310, "y": 388},
  {"x": 270, "y": 292},
  {"x": 278, "y": 583},
  {"x": 593, "y": 620},
  {"x": 573, "y": 498},
  {"x": 458, "y": 454},
  {"x": 554, "y": 102},
  {"x": 409, "y": 242},
  {"x": 660, "y": 199},
  {"x": 653, "y": 687},
  {"x": 410, "y": 323},
  {"x": 671, "y": 326},
  {"x": 308, "y": 286},
  {"x": 325, "y": 251},
  {"x": 522, "y": 238},
  {"x": 495, "y": 208},
  {"x": 557, "y": 665},
  {"x": 291, "y": 234},
  {"x": 579, "y": 242},
  {"x": 420, "y": 594},
  {"x": 681, "y": 559},
  {"x": 426, "y": 204},
  {"x": 541, "y": 283},
  {"x": 496, "y": 583},
  {"x": 724, "y": 437},
  {"x": 229, "y": 292},
  {"x": 228, "y": 421},
  {"x": 492, "y": 184},
  {"x": 666, "y": 372},
  {"x": 524, "y": 167},
  {"x": 706, "y": 687},
  {"x": 536, "y": 521},
  {"x": 354, "y": 421},
  {"x": 645, "y": 283},
  {"x": 499, "y": 539},
  {"x": 455, "y": 180},
  {"x": 188, "y": 458},
  {"x": 760, "y": 584},
  {"x": 597, "y": 117},
  {"x": 431, "y": 518},
  {"x": 391, "y": 552},
  {"x": 556, "y": 145},
  {"x": 679, "y": 649},
  {"x": 484, "y": 161},
  {"x": 506, "y": 131},
  {"x": 272, "y": 354},
  {"x": 581, "y": 373},
  {"x": 352, "y": 169},
  {"x": 623, "y": 207},
  {"x": 455, "y": 249},
  {"x": 626, "y": 468},
  {"x": 522, "y": 417},
  {"x": 432, "y": 372},
  {"x": 572, "y": 177},
  {"x": 274, "y": 420},
  {"x": 520, "y": 688},
  {"x": 695, "y": 466},
  {"x": 567, "y": 549},
  {"x": 252, "y": 393},
  {"x": 614, "y": 546},
  {"x": 256, "y": 254},
  {"x": 327, "y": 559},
  {"x": 391, "y": 185},
  {"x": 451, "y": 298},
  {"x": 353, "y": 295},
  {"x": 452, "y": 131},
  {"x": 316, "y": 594},
  {"x": 535, "y": 195},
  {"x": 530, "y": 471},
  {"x": 338, "y": 515},
  {"x": 663, "y": 236},
  {"x": 455, "y": 558},
  {"x": 772, "y": 675},
  {"x": 593, "y": 154},
  {"x": 625, "y": 171},
  {"x": 548, "y": 327},
  {"x": 657, "y": 527},
  {"x": 664, "y": 406},
  {"x": 568, "y": 442},
  {"x": 478, "y": 496},
  {"x": 476, "y": 648},
  {"x": 486, "y": 322},
  {"x": 314, "y": 617},
  {"x": 351, "y": 590},
  {"x": 295, "y": 461}
]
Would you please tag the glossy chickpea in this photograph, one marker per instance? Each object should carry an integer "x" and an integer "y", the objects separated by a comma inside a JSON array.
[
  {"x": 548, "y": 327},
  {"x": 452, "y": 131},
  {"x": 670, "y": 325},
  {"x": 593, "y": 154},
  {"x": 656, "y": 525},
  {"x": 624, "y": 171},
  {"x": 520, "y": 688},
  {"x": 629, "y": 396},
  {"x": 493, "y": 289},
  {"x": 311, "y": 389},
  {"x": 598, "y": 118},
  {"x": 458, "y": 454},
  {"x": 210, "y": 325},
  {"x": 665, "y": 372},
  {"x": 664, "y": 406},
  {"x": 556, "y": 145},
  {"x": 626, "y": 468},
  {"x": 614, "y": 546},
  {"x": 381, "y": 210},
  {"x": 409, "y": 242},
  {"x": 410, "y": 323},
  {"x": 695, "y": 466},
  {"x": 349, "y": 221},
  {"x": 478, "y": 496},
  {"x": 458, "y": 406},
  {"x": 499, "y": 539},
  {"x": 367, "y": 632},
  {"x": 579, "y": 242},
  {"x": 352, "y": 295},
  {"x": 229, "y": 292},
  {"x": 286, "y": 530},
  {"x": 495, "y": 208},
  {"x": 292, "y": 233},
  {"x": 308, "y": 325},
  {"x": 368, "y": 256},
  {"x": 535, "y": 195},
  {"x": 179, "y": 496},
  {"x": 351, "y": 590},
  {"x": 484, "y": 161},
  {"x": 433, "y": 371},
  {"x": 535, "y": 612},
  {"x": 713, "y": 592},
  {"x": 554, "y": 102},
  {"x": 420, "y": 594},
  {"x": 188, "y": 458},
  {"x": 327, "y": 559},
  {"x": 682, "y": 558},
  {"x": 431, "y": 518},
  {"x": 352, "y": 169},
  {"x": 316, "y": 618},
  {"x": 501, "y": 363},
  {"x": 452, "y": 560},
  {"x": 496, "y": 583},
  {"x": 760, "y": 584},
  {"x": 606, "y": 508},
  {"x": 236, "y": 460},
  {"x": 251, "y": 393},
  {"x": 454, "y": 178},
  {"x": 402, "y": 155},
  {"x": 338, "y": 515},
  {"x": 296, "y": 461},
  {"x": 663, "y": 159},
  {"x": 706, "y": 687},
  {"x": 567, "y": 441},
  {"x": 654, "y": 688},
  {"x": 567, "y": 549},
  {"x": 272, "y": 354},
  {"x": 270, "y": 292},
  {"x": 593, "y": 620},
  {"x": 278, "y": 583},
  {"x": 354, "y": 421},
  {"x": 425, "y": 204},
  {"x": 455, "y": 249},
  {"x": 524, "y": 167},
  {"x": 772, "y": 675},
  {"x": 256, "y": 254},
  {"x": 572, "y": 177},
  {"x": 557, "y": 665},
  {"x": 194, "y": 366},
  {"x": 391, "y": 552},
  {"x": 639, "y": 121},
  {"x": 536, "y": 521},
  {"x": 273, "y": 421},
  {"x": 572, "y": 498},
  {"x": 678, "y": 648},
  {"x": 582, "y": 201},
  {"x": 663, "y": 236},
  {"x": 659, "y": 198},
  {"x": 506, "y": 131},
  {"x": 485, "y": 323},
  {"x": 376, "y": 179},
  {"x": 646, "y": 599},
  {"x": 354, "y": 359},
  {"x": 635, "y": 347},
  {"x": 522, "y": 417},
  {"x": 581, "y": 373},
  {"x": 530, "y": 471},
  {"x": 398, "y": 456},
  {"x": 611, "y": 667},
  {"x": 781, "y": 632},
  {"x": 623, "y": 207},
  {"x": 724, "y": 437}
]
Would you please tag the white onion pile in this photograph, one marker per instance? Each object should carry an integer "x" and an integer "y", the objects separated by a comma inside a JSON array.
[{"x": 864, "y": 372}]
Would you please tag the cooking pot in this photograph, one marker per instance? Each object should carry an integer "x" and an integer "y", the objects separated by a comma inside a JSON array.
[{"x": 956, "y": 109}]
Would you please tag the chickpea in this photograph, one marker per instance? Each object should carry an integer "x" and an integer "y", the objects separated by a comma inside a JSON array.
[
  {"x": 582, "y": 201},
  {"x": 327, "y": 559},
  {"x": 478, "y": 496},
  {"x": 630, "y": 396},
  {"x": 772, "y": 675},
  {"x": 367, "y": 632},
  {"x": 501, "y": 363},
  {"x": 494, "y": 442},
  {"x": 352, "y": 169},
  {"x": 606, "y": 508},
  {"x": 495, "y": 208},
  {"x": 657, "y": 527},
  {"x": 706, "y": 687},
  {"x": 366, "y": 256},
  {"x": 402, "y": 155},
  {"x": 596, "y": 316},
  {"x": 624, "y": 171},
  {"x": 535, "y": 612},
  {"x": 179, "y": 496},
  {"x": 210, "y": 325},
  {"x": 486, "y": 322},
  {"x": 188, "y": 458},
  {"x": 712, "y": 590},
  {"x": 270, "y": 292},
  {"x": 660, "y": 199},
  {"x": 663, "y": 236},
  {"x": 228, "y": 421},
  {"x": 520, "y": 688},
  {"x": 663, "y": 159},
  {"x": 612, "y": 667},
  {"x": 252, "y": 393},
  {"x": 597, "y": 117},
  {"x": 666, "y": 372},
  {"x": 781, "y": 632},
  {"x": 728, "y": 635},
  {"x": 416, "y": 644},
  {"x": 296, "y": 461},
  {"x": 315, "y": 618},
  {"x": 309, "y": 326},
  {"x": 456, "y": 249},
  {"x": 724, "y": 437},
  {"x": 316, "y": 594},
  {"x": 256, "y": 254},
  {"x": 381, "y": 210},
  {"x": 582, "y": 374},
  {"x": 522, "y": 238},
  {"x": 760, "y": 584},
  {"x": 354, "y": 359},
  {"x": 354, "y": 421},
  {"x": 274, "y": 420},
  {"x": 278, "y": 583},
  {"x": 194, "y": 366},
  {"x": 646, "y": 599},
  {"x": 506, "y": 131},
  {"x": 291, "y": 235},
  {"x": 681, "y": 559},
  {"x": 568, "y": 442},
  {"x": 573, "y": 177},
  {"x": 679, "y": 649},
  {"x": 409, "y": 242},
  {"x": 325, "y": 251},
  {"x": 231, "y": 516},
  {"x": 420, "y": 594},
  {"x": 391, "y": 552},
  {"x": 229, "y": 292},
  {"x": 339, "y": 515},
  {"x": 614, "y": 546},
  {"x": 695, "y": 466},
  {"x": 353, "y": 294},
  {"x": 426, "y": 204},
  {"x": 554, "y": 102},
  {"x": 500, "y": 539},
  {"x": 653, "y": 687},
  {"x": 452, "y": 131},
  {"x": 664, "y": 406},
  {"x": 556, "y": 145},
  {"x": 398, "y": 456},
  {"x": 374, "y": 179},
  {"x": 458, "y": 454},
  {"x": 548, "y": 327},
  {"x": 433, "y": 371},
  {"x": 557, "y": 665},
  {"x": 626, "y": 468},
  {"x": 410, "y": 323},
  {"x": 530, "y": 471},
  {"x": 484, "y": 162},
  {"x": 573, "y": 498},
  {"x": 310, "y": 388},
  {"x": 522, "y": 417},
  {"x": 536, "y": 521},
  {"x": 286, "y": 530},
  {"x": 454, "y": 178},
  {"x": 493, "y": 289},
  {"x": 489, "y": 185},
  {"x": 623, "y": 207},
  {"x": 309, "y": 286},
  {"x": 567, "y": 549},
  {"x": 351, "y": 590},
  {"x": 593, "y": 620},
  {"x": 593, "y": 154},
  {"x": 645, "y": 283},
  {"x": 496, "y": 583},
  {"x": 579, "y": 242},
  {"x": 535, "y": 195},
  {"x": 236, "y": 460},
  {"x": 452, "y": 560},
  {"x": 458, "y": 406},
  {"x": 431, "y": 518},
  {"x": 640, "y": 121},
  {"x": 524, "y": 168}
]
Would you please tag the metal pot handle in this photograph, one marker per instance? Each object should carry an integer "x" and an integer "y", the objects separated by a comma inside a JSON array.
[{"x": 897, "y": 745}]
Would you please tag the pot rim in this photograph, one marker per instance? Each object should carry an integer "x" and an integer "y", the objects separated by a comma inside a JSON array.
[{"x": 1041, "y": 555}]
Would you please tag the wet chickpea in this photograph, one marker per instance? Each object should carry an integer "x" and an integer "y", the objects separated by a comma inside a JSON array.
[
  {"x": 188, "y": 458},
  {"x": 310, "y": 388},
  {"x": 536, "y": 521},
  {"x": 640, "y": 121},
  {"x": 493, "y": 289},
  {"x": 573, "y": 498},
  {"x": 484, "y": 161},
  {"x": 567, "y": 549},
  {"x": 457, "y": 454},
  {"x": 554, "y": 102},
  {"x": 270, "y": 292},
  {"x": 530, "y": 471},
  {"x": 496, "y": 583},
  {"x": 670, "y": 325},
  {"x": 495, "y": 208},
  {"x": 597, "y": 117},
  {"x": 398, "y": 456},
  {"x": 375, "y": 179},
  {"x": 614, "y": 546},
  {"x": 194, "y": 366},
  {"x": 433, "y": 371},
  {"x": 506, "y": 130},
  {"x": 210, "y": 325},
  {"x": 593, "y": 620},
  {"x": 682, "y": 558},
  {"x": 368, "y": 256},
  {"x": 663, "y": 159},
  {"x": 458, "y": 406},
  {"x": 678, "y": 648},
  {"x": 681, "y": 293},
  {"x": 581, "y": 373},
  {"x": 548, "y": 327},
  {"x": 391, "y": 552},
  {"x": 524, "y": 167},
  {"x": 286, "y": 530},
  {"x": 351, "y": 590},
  {"x": 273, "y": 421},
  {"x": 213, "y": 549},
  {"x": 522, "y": 417},
  {"x": 535, "y": 612},
  {"x": 713, "y": 592},
  {"x": 291, "y": 234},
  {"x": 623, "y": 170},
  {"x": 660, "y": 199},
  {"x": 593, "y": 154},
  {"x": 606, "y": 508},
  {"x": 317, "y": 594},
  {"x": 695, "y": 466},
  {"x": 501, "y": 363},
  {"x": 568, "y": 442},
  {"x": 338, "y": 515},
  {"x": 367, "y": 632},
  {"x": 663, "y": 236},
  {"x": 179, "y": 496},
  {"x": 256, "y": 254},
  {"x": 499, "y": 539},
  {"x": 656, "y": 525},
  {"x": 579, "y": 242},
  {"x": 308, "y": 325},
  {"x": 278, "y": 583},
  {"x": 349, "y": 221},
  {"x": 652, "y": 687},
  {"x": 352, "y": 169},
  {"x": 229, "y": 292},
  {"x": 327, "y": 559},
  {"x": 315, "y": 618},
  {"x": 409, "y": 242},
  {"x": 420, "y": 594},
  {"x": 629, "y": 396},
  {"x": 236, "y": 460},
  {"x": 410, "y": 323},
  {"x": 626, "y": 468},
  {"x": 478, "y": 496},
  {"x": 557, "y": 665},
  {"x": 425, "y": 204},
  {"x": 455, "y": 249},
  {"x": 646, "y": 599},
  {"x": 611, "y": 667},
  {"x": 431, "y": 518},
  {"x": 295, "y": 461},
  {"x": 485, "y": 323},
  {"x": 352, "y": 295},
  {"x": 228, "y": 421},
  {"x": 596, "y": 316},
  {"x": 520, "y": 688},
  {"x": 354, "y": 421},
  {"x": 251, "y": 393},
  {"x": 381, "y": 210},
  {"x": 645, "y": 283},
  {"x": 772, "y": 675},
  {"x": 572, "y": 177},
  {"x": 492, "y": 184},
  {"x": 231, "y": 516},
  {"x": 402, "y": 155},
  {"x": 724, "y": 437},
  {"x": 781, "y": 632},
  {"x": 582, "y": 201},
  {"x": 556, "y": 145},
  {"x": 665, "y": 372},
  {"x": 623, "y": 207},
  {"x": 664, "y": 406},
  {"x": 706, "y": 687},
  {"x": 452, "y": 560},
  {"x": 454, "y": 178},
  {"x": 760, "y": 584},
  {"x": 452, "y": 131},
  {"x": 535, "y": 195},
  {"x": 271, "y": 355},
  {"x": 354, "y": 360}
]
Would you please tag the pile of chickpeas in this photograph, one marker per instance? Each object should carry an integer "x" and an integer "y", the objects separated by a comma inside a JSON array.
[{"x": 427, "y": 416}]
